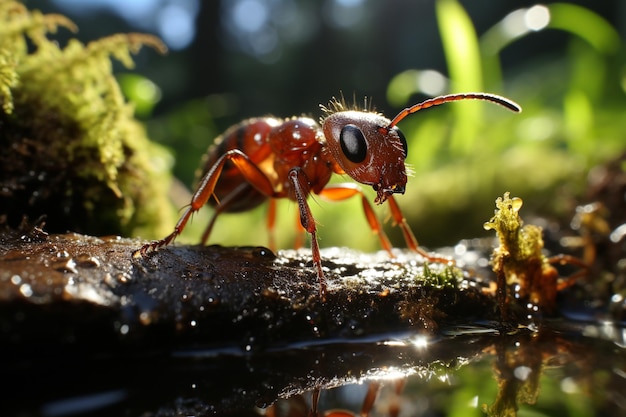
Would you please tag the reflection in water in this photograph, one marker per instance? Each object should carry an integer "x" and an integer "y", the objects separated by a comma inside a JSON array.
[
  {"x": 561, "y": 369},
  {"x": 547, "y": 372}
]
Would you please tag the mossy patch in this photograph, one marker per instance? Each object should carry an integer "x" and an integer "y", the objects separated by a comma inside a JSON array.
[{"x": 72, "y": 149}]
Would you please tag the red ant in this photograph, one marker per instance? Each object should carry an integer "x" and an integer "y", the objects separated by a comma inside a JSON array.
[{"x": 274, "y": 158}]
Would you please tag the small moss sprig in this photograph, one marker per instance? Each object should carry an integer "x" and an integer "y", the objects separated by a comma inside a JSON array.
[{"x": 519, "y": 261}]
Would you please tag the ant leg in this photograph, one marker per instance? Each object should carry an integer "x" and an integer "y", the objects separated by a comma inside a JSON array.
[
  {"x": 409, "y": 237},
  {"x": 223, "y": 206},
  {"x": 370, "y": 398},
  {"x": 301, "y": 189},
  {"x": 271, "y": 222},
  {"x": 568, "y": 259},
  {"x": 209, "y": 228},
  {"x": 154, "y": 245},
  {"x": 394, "y": 406},
  {"x": 248, "y": 169},
  {"x": 300, "y": 232},
  {"x": 340, "y": 192},
  {"x": 315, "y": 398}
]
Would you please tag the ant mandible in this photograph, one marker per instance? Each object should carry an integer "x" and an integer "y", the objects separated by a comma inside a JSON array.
[{"x": 274, "y": 158}]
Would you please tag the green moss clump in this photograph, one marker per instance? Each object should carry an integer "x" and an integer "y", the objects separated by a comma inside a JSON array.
[
  {"x": 72, "y": 150},
  {"x": 447, "y": 276}
]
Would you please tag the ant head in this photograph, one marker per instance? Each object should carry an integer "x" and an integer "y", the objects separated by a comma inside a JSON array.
[
  {"x": 371, "y": 149},
  {"x": 367, "y": 149}
]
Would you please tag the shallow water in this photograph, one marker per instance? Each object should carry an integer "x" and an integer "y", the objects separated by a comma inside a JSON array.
[{"x": 560, "y": 369}]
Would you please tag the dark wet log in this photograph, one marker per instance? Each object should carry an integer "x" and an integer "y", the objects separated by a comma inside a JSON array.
[
  {"x": 79, "y": 315},
  {"x": 68, "y": 289}
]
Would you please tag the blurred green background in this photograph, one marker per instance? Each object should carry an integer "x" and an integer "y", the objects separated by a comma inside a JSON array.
[{"x": 234, "y": 59}]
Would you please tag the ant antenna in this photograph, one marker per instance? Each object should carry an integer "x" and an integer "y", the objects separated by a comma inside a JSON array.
[{"x": 436, "y": 101}]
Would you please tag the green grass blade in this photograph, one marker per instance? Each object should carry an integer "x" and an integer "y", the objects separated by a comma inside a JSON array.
[{"x": 460, "y": 44}]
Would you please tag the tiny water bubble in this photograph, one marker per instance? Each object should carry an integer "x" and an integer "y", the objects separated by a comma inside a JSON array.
[
  {"x": 87, "y": 261},
  {"x": 65, "y": 264},
  {"x": 26, "y": 290},
  {"x": 122, "y": 277},
  {"x": 522, "y": 372},
  {"x": 145, "y": 318}
]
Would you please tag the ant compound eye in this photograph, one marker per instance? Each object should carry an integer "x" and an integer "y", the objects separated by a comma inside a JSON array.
[
  {"x": 405, "y": 145},
  {"x": 353, "y": 143}
]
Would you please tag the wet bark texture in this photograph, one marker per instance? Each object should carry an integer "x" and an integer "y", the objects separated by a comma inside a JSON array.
[
  {"x": 79, "y": 315},
  {"x": 74, "y": 289}
]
